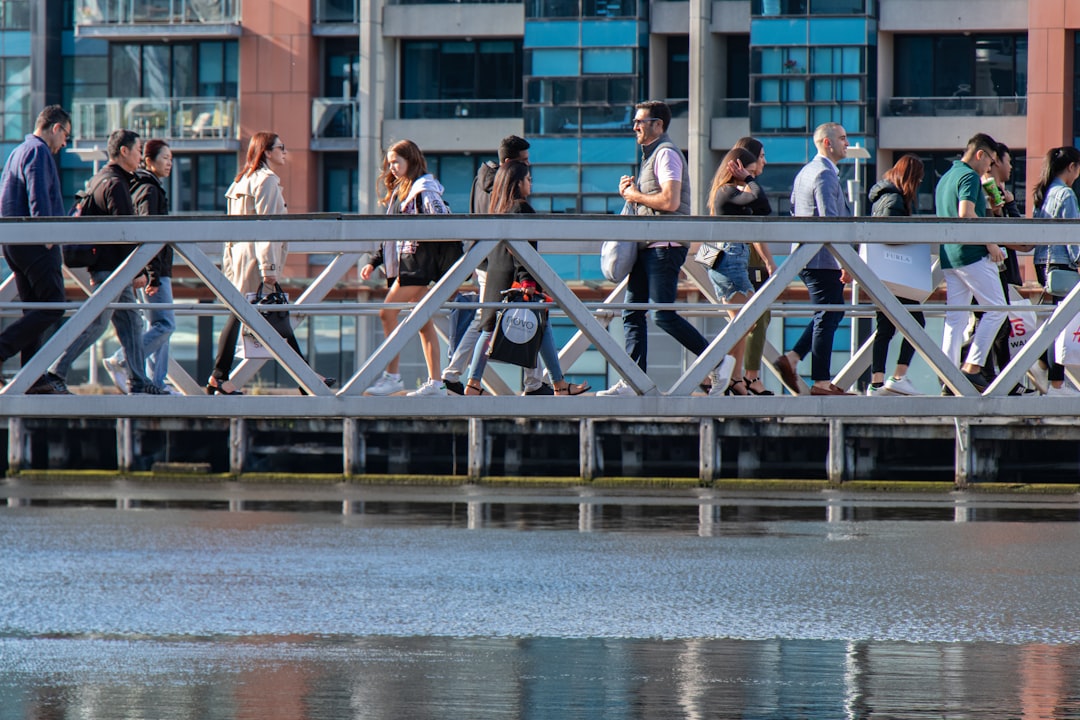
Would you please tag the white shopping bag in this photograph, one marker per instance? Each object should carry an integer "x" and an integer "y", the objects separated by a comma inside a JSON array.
[
  {"x": 905, "y": 269},
  {"x": 1067, "y": 345},
  {"x": 1022, "y": 322}
]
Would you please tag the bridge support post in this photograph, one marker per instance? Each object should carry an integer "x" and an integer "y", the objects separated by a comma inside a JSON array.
[
  {"x": 125, "y": 449},
  {"x": 238, "y": 441},
  {"x": 709, "y": 451},
  {"x": 587, "y": 449},
  {"x": 965, "y": 454},
  {"x": 477, "y": 449},
  {"x": 835, "y": 458},
  {"x": 353, "y": 448},
  {"x": 18, "y": 445}
]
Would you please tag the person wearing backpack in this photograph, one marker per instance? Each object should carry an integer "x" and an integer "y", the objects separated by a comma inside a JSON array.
[
  {"x": 110, "y": 194},
  {"x": 30, "y": 187}
]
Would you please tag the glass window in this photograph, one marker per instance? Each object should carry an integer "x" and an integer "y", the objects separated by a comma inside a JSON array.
[
  {"x": 456, "y": 173},
  {"x": 157, "y": 71},
  {"x": 603, "y": 178},
  {"x": 459, "y": 78},
  {"x": 555, "y": 63},
  {"x": 837, "y": 7},
  {"x": 678, "y": 66},
  {"x": 607, "y": 61},
  {"x": 961, "y": 66},
  {"x": 201, "y": 182},
  {"x": 552, "y": 34},
  {"x": 85, "y": 76},
  {"x": 738, "y": 66},
  {"x": 341, "y": 76},
  {"x": 552, "y": 179},
  {"x": 610, "y": 150},
  {"x": 15, "y": 14},
  {"x": 839, "y": 31},
  {"x": 17, "y": 113},
  {"x": 551, "y": 8},
  {"x": 553, "y": 150},
  {"x": 340, "y": 183},
  {"x": 611, "y": 33}
]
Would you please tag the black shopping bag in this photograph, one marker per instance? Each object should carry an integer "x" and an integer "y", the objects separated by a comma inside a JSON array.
[
  {"x": 518, "y": 334},
  {"x": 250, "y": 347}
]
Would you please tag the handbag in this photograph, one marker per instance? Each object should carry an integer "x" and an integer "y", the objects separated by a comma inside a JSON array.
[
  {"x": 617, "y": 258},
  {"x": 518, "y": 334},
  {"x": 1060, "y": 282},
  {"x": 250, "y": 347},
  {"x": 708, "y": 255}
]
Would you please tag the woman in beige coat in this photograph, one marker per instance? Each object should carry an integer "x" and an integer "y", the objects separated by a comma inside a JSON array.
[{"x": 255, "y": 191}]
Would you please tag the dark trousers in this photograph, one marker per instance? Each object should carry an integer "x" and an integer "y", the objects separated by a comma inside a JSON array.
[
  {"x": 884, "y": 335},
  {"x": 1055, "y": 370},
  {"x": 39, "y": 278},
  {"x": 817, "y": 339}
]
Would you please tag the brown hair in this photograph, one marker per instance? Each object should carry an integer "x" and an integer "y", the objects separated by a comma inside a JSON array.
[
  {"x": 507, "y": 186},
  {"x": 906, "y": 174},
  {"x": 258, "y": 148},
  {"x": 723, "y": 174},
  {"x": 410, "y": 152}
]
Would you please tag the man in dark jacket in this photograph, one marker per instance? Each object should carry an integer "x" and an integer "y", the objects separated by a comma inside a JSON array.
[
  {"x": 512, "y": 147},
  {"x": 30, "y": 187},
  {"x": 110, "y": 194}
]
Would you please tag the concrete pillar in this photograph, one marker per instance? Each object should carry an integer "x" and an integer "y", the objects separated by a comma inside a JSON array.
[
  {"x": 835, "y": 460},
  {"x": 125, "y": 451},
  {"x": 706, "y": 64},
  {"x": 353, "y": 448},
  {"x": 709, "y": 450},
  {"x": 238, "y": 441},
  {"x": 477, "y": 450},
  {"x": 964, "y": 453},
  {"x": 587, "y": 449},
  {"x": 18, "y": 445},
  {"x": 377, "y": 88}
]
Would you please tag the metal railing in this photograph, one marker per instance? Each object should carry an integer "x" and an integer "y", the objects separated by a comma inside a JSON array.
[
  {"x": 348, "y": 237},
  {"x": 164, "y": 12},
  {"x": 957, "y": 106},
  {"x": 187, "y": 118}
]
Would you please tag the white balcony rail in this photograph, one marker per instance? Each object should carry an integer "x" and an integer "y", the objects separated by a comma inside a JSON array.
[
  {"x": 348, "y": 237},
  {"x": 190, "y": 118},
  {"x": 164, "y": 12}
]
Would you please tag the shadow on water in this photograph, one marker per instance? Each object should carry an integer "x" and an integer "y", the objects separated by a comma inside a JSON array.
[{"x": 204, "y": 602}]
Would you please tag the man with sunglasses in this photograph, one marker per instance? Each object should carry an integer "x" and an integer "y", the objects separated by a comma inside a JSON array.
[
  {"x": 30, "y": 187},
  {"x": 970, "y": 270},
  {"x": 662, "y": 187}
]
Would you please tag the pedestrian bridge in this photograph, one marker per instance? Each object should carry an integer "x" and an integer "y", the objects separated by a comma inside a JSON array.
[{"x": 967, "y": 419}]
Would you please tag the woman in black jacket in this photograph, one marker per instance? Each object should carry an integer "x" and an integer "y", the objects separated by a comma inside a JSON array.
[
  {"x": 510, "y": 195},
  {"x": 895, "y": 196}
]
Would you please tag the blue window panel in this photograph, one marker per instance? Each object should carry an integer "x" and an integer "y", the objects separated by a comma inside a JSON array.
[
  {"x": 795, "y": 117},
  {"x": 851, "y": 117},
  {"x": 795, "y": 90},
  {"x": 615, "y": 206},
  {"x": 540, "y": 203},
  {"x": 593, "y": 204},
  {"x": 852, "y": 63},
  {"x": 608, "y": 61},
  {"x": 823, "y": 114},
  {"x": 823, "y": 61},
  {"x": 85, "y": 46},
  {"x": 837, "y": 31},
  {"x": 768, "y": 90},
  {"x": 15, "y": 43},
  {"x": 609, "y": 33},
  {"x": 552, "y": 34},
  {"x": 789, "y": 150},
  {"x": 553, "y": 150},
  {"x": 565, "y": 265},
  {"x": 823, "y": 88},
  {"x": 602, "y": 178},
  {"x": 610, "y": 150},
  {"x": 851, "y": 89},
  {"x": 552, "y": 179},
  {"x": 771, "y": 119},
  {"x": 589, "y": 266},
  {"x": 778, "y": 31},
  {"x": 772, "y": 63},
  {"x": 556, "y": 63}
]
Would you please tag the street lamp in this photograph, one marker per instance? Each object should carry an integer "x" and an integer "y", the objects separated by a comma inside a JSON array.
[
  {"x": 90, "y": 154},
  {"x": 854, "y": 187}
]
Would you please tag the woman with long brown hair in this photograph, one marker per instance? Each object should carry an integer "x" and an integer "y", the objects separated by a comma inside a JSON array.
[
  {"x": 410, "y": 265},
  {"x": 249, "y": 266},
  {"x": 895, "y": 195}
]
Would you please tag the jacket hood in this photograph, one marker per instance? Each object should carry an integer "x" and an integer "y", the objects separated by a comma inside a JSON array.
[
  {"x": 424, "y": 183},
  {"x": 486, "y": 175},
  {"x": 883, "y": 187}
]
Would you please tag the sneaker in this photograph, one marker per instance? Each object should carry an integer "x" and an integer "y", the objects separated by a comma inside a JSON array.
[
  {"x": 878, "y": 391},
  {"x": 454, "y": 386},
  {"x": 721, "y": 376},
  {"x": 619, "y": 389},
  {"x": 901, "y": 386},
  {"x": 387, "y": 384},
  {"x": 118, "y": 372},
  {"x": 1041, "y": 376},
  {"x": 150, "y": 390},
  {"x": 434, "y": 388},
  {"x": 544, "y": 389},
  {"x": 1065, "y": 390},
  {"x": 1024, "y": 391},
  {"x": 49, "y": 384}
]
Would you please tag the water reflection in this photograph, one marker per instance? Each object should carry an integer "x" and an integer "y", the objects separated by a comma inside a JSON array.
[{"x": 294, "y": 678}]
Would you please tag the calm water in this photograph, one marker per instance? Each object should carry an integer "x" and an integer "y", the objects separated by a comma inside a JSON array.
[{"x": 236, "y": 603}]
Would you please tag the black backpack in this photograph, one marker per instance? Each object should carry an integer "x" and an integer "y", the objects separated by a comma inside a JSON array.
[{"x": 80, "y": 256}]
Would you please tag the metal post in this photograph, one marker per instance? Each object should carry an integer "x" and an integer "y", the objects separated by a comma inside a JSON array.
[
  {"x": 587, "y": 449},
  {"x": 18, "y": 445},
  {"x": 237, "y": 445},
  {"x": 352, "y": 448},
  {"x": 709, "y": 451},
  {"x": 835, "y": 460},
  {"x": 964, "y": 453},
  {"x": 476, "y": 449},
  {"x": 125, "y": 451}
]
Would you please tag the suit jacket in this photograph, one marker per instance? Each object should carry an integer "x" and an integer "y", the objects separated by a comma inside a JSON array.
[{"x": 817, "y": 193}]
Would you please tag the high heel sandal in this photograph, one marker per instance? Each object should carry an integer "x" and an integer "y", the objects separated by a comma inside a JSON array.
[
  {"x": 573, "y": 388},
  {"x": 731, "y": 388},
  {"x": 750, "y": 386},
  {"x": 214, "y": 386},
  {"x": 474, "y": 388}
]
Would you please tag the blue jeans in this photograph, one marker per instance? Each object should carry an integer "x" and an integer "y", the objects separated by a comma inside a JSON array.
[
  {"x": 655, "y": 277},
  {"x": 825, "y": 289},
  {"x": 548, "y": 352},
  {"x": 731, "y": 276},
  {"x": 128, "y": 325},
  {"x": 155, "y": 340}
]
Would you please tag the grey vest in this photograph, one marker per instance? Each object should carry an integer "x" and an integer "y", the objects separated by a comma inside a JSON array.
[{"x": 648, "y": 184}]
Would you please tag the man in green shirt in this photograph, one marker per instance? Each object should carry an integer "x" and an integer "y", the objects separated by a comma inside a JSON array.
[{"x": 970, "y": 270}]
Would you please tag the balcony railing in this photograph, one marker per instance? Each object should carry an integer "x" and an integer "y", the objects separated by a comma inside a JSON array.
[
  {"x": 943, "y": 106},
  {"x": 446, "y": 109},
  {"x": 192, "y": 118},
  {"x": 159, "y": 12},
  {"x": 334, "y": 118}
]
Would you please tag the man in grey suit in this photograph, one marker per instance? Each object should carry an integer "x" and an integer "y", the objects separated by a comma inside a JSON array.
[{"x": 817, "y": 192}]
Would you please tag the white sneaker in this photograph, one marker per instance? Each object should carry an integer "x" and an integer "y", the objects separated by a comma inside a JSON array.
[
  {"x": 434, "y": 388},
  {"x": 721, "y": 376},
  {"x": 118, "y": 372},
  {"x": 872, "y": 391},
  {"x": 901, "y": 386},
  {"x": 1065, "y": 390},
  {"x": 1041, "y": 377},
  {"x": 387, "y": 384},
  {"x": 619, "y": 389}
]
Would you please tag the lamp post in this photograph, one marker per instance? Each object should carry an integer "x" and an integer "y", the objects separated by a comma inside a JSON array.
[{"x": 855, "y": 187}]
